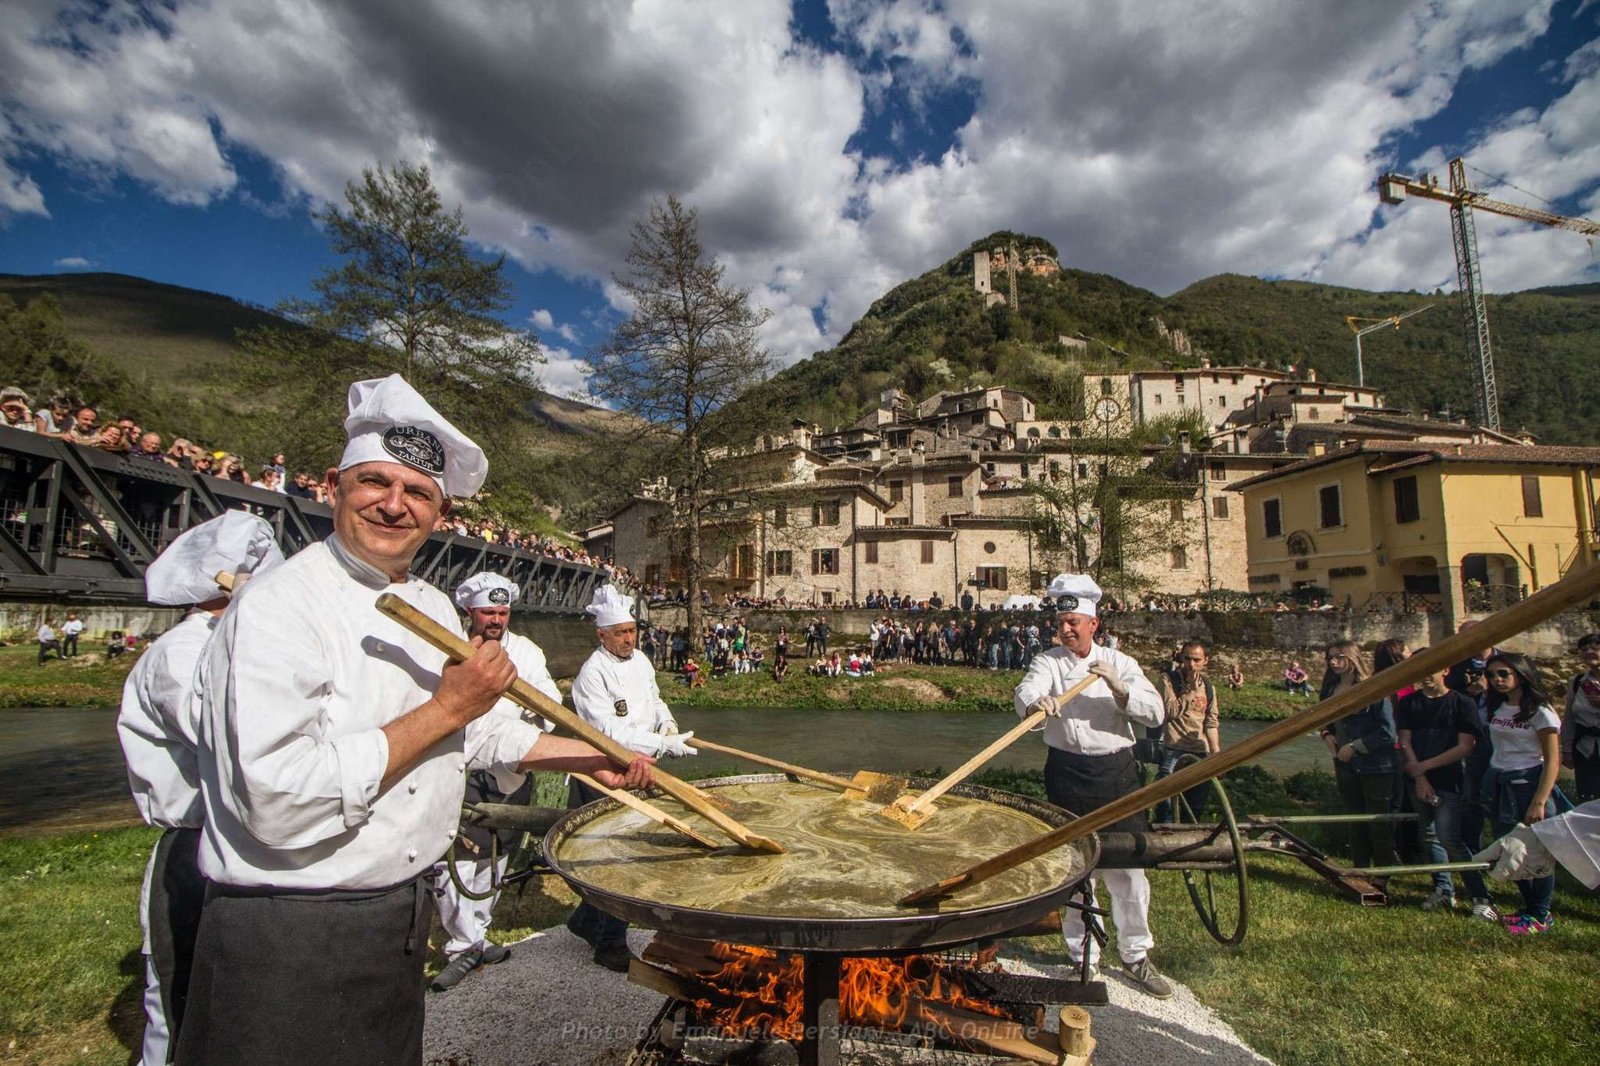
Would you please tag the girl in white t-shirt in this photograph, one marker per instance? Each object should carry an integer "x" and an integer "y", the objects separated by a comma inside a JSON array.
[{"x": 1522, "y": 771}]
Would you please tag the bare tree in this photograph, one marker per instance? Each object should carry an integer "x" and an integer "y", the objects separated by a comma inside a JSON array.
[{"x": 689, "y": 348}]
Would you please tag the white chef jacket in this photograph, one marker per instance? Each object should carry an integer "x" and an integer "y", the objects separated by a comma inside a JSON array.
[
  {"x": 46, "y": 634},
  {"x": 159, "y": 723},
  {"x": 529, "y": 660},
  {"x": 72, "y": 627},
  {"x": 300, "y": 678},
  {"x": 1574, "y": 839},
  {"x": 620, "y": 698},
  {"x": 1092, "y": 724}
]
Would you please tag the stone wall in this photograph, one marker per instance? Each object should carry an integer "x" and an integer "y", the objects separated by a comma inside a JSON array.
[
  {"x": 565, "y": 640},
  {"x": 19, "y": 622}
]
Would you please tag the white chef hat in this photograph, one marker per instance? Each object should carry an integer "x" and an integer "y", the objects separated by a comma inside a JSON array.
[
  {"x": 390, "y": 422},
  {"x": 235, "y": 541},
  {"x": 1074, "y": 593},
  {"x": 610, "y": 607},
  {"x": 486, "y": 590}
]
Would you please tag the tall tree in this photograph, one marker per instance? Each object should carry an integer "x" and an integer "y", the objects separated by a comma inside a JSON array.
[
  {"x": 408, "y": 297},
  {"x": 688, "y": 349}
]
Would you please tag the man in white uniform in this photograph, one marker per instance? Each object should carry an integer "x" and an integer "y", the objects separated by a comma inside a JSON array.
[
  {"x": 157, "y": 726},
  {"x": 333, "y": 753},
  {"x": 487, "y": 598},
  {"x": 616, "y": 692},
  {"x": 1090, "y": 759},
  {"x": 1531, "y": 851}
]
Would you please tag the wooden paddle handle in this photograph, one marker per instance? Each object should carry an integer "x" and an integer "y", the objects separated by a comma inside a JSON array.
[
  {"x": 531, "y": 698},
  {"x": 1578, "y": 587},
  {"x": 972, "y": 765},
  {"x": 776, "y": 764},
  {"x": 649, "y": 810}
]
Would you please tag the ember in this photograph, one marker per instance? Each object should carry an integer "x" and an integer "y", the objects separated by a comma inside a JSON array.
[{"x": 759, "y": 992}]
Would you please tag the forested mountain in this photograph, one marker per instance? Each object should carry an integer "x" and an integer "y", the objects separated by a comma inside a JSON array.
[{"x": 935, "y": 331}]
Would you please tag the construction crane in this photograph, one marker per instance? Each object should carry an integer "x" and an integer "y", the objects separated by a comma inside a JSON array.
[
  {"x": 1376, "y": 324},
  {"x": 1393, "y": 188}
]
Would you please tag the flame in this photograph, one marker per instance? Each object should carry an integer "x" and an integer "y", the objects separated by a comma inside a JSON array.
[{"x": 759, "y": 991}]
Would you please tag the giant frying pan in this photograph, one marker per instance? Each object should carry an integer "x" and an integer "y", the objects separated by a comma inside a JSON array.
[{"x": 577, "y": 848}]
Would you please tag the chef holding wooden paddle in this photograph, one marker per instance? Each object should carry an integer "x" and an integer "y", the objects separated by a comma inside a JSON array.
[
  {"x": 333, "y": 751},
  {"x": 1090, "y": 758}
]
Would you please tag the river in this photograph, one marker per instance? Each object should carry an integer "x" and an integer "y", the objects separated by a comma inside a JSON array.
[{"x": 62, "y": 769}]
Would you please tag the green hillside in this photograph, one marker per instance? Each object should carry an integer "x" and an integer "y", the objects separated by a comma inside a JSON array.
[
  {"x": 169, "y": 356},
  {"x": 934, "y": 332}
]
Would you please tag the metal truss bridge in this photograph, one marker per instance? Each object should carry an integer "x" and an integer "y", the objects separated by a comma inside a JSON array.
[{"x": 80, "y": 524}]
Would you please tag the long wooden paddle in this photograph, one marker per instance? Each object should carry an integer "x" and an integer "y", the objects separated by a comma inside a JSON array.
[
  {"x": 649, "y": 810},
  {"x": 911, "y": 812},
  {"x": 527, "y": 696},
  {"x": 880, "y": 788},
  {"x": 1574, "y": 589}
]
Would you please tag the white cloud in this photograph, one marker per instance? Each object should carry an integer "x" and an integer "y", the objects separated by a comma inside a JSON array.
[
  {"x": 74, "y": 262},
  {"x": 1162, "y": 141},
  {"x": 564, "y": 374}
]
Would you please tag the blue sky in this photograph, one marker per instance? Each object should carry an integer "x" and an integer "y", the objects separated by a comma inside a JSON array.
[{"x": 832, "y": 147}]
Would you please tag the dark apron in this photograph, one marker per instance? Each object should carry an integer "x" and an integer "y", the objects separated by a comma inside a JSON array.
[
  {"x": 177, "y": 892},
  {"x": 313, "y": 978},
  {"x": 481, "y": 789},
  {"x": 1082, "y": 783}
]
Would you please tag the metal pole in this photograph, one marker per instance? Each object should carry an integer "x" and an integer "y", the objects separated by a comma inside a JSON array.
[
  {"x": 1361, "y": 378},
  {"x": 1418, "y": 868}
]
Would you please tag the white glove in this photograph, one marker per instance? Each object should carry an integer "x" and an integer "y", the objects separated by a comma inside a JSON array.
[
  {"x": 667, "y": 728},
  {"x": 1518, "y": 856},
  {"x": 677, "y": 744},
  {"x": 1047, "y": 705}
]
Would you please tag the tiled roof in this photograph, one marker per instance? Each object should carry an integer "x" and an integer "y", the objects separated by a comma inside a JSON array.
[{"x": 1411, "y": 452}]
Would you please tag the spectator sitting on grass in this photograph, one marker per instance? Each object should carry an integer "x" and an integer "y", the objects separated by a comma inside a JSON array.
[
  {"x": 115, "y": 645},
  {"x": 1296, "y": 680},
  {"x": 853, "y": 668},
  {"x": 780, "y": 667},
  {"x": 48, "y": 642},
  {"x": 1235, "y": 677},
  {"x": 691, "y": 672}
]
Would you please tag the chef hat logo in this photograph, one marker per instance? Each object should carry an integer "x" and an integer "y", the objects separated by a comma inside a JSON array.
[
  {"x": 499, "y": 597},
  {"x": 1075, "y": 594},
  {"x": 415, "y": 448}
]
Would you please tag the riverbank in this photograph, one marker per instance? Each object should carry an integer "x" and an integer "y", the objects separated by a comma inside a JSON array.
[
  {"x": 88, "y": 680},
  {"x": 912, "y": 687}
]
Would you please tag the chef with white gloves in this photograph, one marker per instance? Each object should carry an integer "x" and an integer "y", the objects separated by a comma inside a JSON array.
[
  {"x": 158, "y": 726},
  {"x": 1530, "y": 851},
  {"x": 616, "y": 692}
]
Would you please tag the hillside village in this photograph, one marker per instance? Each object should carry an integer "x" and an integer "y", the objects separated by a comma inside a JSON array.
[{"x": 1293, "y": 491}]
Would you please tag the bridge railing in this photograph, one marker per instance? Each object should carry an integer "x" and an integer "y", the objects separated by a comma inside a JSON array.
[{"x": 83, "y": 524}]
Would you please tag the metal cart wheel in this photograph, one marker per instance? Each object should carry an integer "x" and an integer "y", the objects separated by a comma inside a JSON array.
[{"x": 1221, "y": 897}]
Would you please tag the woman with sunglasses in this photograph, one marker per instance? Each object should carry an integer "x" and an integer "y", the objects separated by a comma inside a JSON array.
[
  {"x": 1366, "y": 763},
  {"x": 1522, "y": 771}
]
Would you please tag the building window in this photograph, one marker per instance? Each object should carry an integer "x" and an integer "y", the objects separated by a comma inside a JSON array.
[
  {"x": 1177, "y": 510},
  {"x": 1219, "y": 471},
  {"x": 1222, "y": 401},
  {"x": 1180, "y": 557},
  {"x": 744, "y": 561},
  {"x": 652, "y": 574},
  {"x": 1083, "y": 468},
  {"x": 1407, "y": 508},
  {"x": 780, "y": 564},
  {"x": 827, "y": 599},
  {"x": 897, "y": 491},
  {"x": 1105, "y": 386},
  {"x": 1312, "y": 414},
  {"x": 1330, "y": 507},
  {"x": 897, "y": 521},
  {"x": 780, "y": 516},
  {"x": 1158, "y": 399},
  {"x": 872, "y": 551},
  {"x": 652, "y": 526},
  {"x": 927, "y": 551},
  {"x": 1219, "y": 507},
  {"x": 988, "y": 547},
  {"x": 992, "y": 577},
  {"x": 824, "y": 560},
  {"x": 825, "y": 513},
  {"x": 1272, "y": 517},
  {"x": 1532, "y": 502},
  {"x": 955, "y": 484}
]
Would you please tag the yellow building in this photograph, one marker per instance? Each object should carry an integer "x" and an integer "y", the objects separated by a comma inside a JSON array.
[{"x": 1466, "y": 527}]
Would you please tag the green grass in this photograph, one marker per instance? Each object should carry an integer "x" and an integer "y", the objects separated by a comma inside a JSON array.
[{"x": 86, "y": 681}]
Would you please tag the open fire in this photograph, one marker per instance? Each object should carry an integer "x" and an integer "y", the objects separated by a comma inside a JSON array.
[{"x": 757, "y": 991}]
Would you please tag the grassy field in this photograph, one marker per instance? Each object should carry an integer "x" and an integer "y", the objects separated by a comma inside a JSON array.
[
  {"x": 85, "y": 681},
  {"x": 1318, "y": 981}
]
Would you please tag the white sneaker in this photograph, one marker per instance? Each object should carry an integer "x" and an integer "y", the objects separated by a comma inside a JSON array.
[
  {"x": 1483, "y": 908},
  {"x": 1440, "y": 900}
]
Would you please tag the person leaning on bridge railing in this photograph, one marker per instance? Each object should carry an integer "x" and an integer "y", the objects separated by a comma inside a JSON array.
[{"x": 16, "y": 410}]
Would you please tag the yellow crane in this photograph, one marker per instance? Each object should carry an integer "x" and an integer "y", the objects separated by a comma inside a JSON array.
[
  {"x": 1393, "y": 188},
  {"x": 1375, "y": 324}
]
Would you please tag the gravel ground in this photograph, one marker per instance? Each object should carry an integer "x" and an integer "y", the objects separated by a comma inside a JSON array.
[{"x": 549, "y": 1005}]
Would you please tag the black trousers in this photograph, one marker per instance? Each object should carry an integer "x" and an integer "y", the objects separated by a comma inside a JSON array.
[
  {"x": 307, "y": 978},
  {"x": 177, "y": 893},
  {"x": 1082, "y": 783}
]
